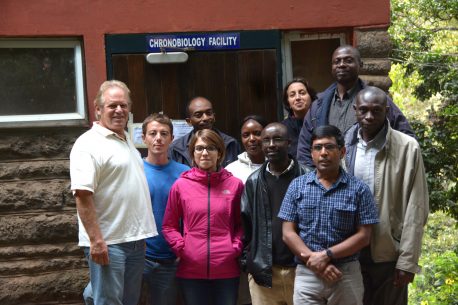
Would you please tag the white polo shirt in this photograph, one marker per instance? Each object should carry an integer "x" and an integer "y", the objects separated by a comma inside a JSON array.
[{"x": 112, "y": 169}]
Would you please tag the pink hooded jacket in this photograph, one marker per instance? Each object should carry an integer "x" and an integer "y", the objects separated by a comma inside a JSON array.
[{"x": 209, "y": 204}]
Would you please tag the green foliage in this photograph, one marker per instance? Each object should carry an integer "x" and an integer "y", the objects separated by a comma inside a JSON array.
[
  {"x": 402, "y": 91},
  {"x": 438, "y": 282},
  {"x": 438, "y": 139},
  {"x": 425, "y": 86},
  {"x": 425, "y": 35}
]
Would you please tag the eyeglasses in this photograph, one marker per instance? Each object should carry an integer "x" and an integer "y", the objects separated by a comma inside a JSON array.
[
  {"x": 276, "y": 141},
  {"x": 199, "y": 114},
  {"x": 209, "y": 148},
  {"x": 327, "y": 147}
]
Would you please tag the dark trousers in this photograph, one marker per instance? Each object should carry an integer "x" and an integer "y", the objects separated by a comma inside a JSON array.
[
  {"x": 209, "y": 292},
  {"x": 378, "y": 285}
]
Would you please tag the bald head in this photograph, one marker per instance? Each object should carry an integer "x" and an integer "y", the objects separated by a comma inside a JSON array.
[
  {"x": 372, "y": 94},
  {"x": 278, "y": 127},
  {"x": 197, "y": 100}
]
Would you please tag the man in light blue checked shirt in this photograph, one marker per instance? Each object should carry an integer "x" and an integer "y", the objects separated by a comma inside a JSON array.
[{"x": 328, "y": 217}]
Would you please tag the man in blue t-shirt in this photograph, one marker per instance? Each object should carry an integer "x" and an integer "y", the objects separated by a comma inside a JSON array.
[{"x": 161, "y": 173}]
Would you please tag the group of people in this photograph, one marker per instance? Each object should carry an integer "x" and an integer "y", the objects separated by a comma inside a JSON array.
[{"x": 326, "y": 207}]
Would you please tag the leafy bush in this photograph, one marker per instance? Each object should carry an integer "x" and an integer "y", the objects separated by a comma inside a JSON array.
[
  {"x": 424, "y": 34},
  {"x": 438, "y": 282},
  {"x": 438, "y": 138}
]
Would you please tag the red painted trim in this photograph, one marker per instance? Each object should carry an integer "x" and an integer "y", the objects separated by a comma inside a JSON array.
[{"x": 93, "y": 19}]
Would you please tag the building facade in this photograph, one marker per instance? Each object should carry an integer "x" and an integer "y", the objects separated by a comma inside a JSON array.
[{"x": 55, "y": 54}]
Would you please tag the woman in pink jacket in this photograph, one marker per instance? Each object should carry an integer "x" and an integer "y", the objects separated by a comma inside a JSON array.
[{"x": 207, "y": 200}]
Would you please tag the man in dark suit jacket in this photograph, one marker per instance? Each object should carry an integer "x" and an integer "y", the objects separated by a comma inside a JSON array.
[
  {"x": 334, "y": 106},
  {"x": 201, "y": 116}
]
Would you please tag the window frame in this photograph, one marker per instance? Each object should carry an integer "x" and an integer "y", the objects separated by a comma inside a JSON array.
[{"x": 77, "y": 118}]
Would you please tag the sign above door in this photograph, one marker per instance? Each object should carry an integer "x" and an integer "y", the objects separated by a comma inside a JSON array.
[{"x": 198, "y": 42}]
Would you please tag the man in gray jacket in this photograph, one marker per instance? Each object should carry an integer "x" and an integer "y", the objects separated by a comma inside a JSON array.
[{"x": 391, "y": 164}]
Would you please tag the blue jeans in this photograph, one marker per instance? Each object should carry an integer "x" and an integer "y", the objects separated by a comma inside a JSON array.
[
  {"x": 209, "y": 292},
  {"x": 119, "y": 282},
  {"x": 160, "y": 280}
]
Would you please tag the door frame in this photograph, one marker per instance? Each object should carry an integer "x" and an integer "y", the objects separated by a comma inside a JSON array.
[{"x": 288, "y": 37}]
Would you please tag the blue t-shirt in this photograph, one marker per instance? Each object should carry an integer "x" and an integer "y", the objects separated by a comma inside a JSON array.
[
  {"x": 160, "y": 179},
  {"x": 326, "y": 217}
]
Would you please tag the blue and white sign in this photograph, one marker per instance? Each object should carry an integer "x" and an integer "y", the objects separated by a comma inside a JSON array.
[{"x": 201, "y": 42}]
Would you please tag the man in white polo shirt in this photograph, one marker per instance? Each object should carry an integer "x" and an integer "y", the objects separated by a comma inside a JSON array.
[{"x": 112, "y": 200}]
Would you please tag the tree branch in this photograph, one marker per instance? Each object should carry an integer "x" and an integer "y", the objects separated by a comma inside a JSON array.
[{"x": 444, "y": 29}]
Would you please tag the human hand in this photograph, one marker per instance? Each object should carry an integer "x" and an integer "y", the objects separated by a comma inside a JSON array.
[
  {"x": 304, "y": 257},
  {"x": 331, "y": 274},
  {"x": 99, "y": 252},
  {"x": 318, "y": 261},
  {"x": 402, "y": 278}
]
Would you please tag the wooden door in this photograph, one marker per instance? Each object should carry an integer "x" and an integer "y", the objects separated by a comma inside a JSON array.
[
  {"x": 238, "y": 83},
  {"x": 311, "y": 59}
]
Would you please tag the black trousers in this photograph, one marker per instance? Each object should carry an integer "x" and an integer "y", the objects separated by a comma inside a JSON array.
[{"x": 378, "y": 285}]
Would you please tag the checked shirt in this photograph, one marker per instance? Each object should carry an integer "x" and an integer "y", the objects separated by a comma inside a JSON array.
[{"x": 328, "y": 217}]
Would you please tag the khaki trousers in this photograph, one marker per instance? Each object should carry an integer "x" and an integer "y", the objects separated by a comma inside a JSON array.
[
  {"x": 309, "y": 289},
  {"x": 282, "y": 289}
]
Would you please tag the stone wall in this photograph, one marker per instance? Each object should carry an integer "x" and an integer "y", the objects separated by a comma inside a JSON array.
[
  {"x": 40, "y": 262},
  {"x": 375, "y": 46}
]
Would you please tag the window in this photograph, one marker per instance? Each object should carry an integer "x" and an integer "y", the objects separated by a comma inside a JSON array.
[{"x": 41, "y": 82}]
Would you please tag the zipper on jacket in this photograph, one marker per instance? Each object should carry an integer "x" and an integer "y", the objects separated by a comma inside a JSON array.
[{"x": 208, "y": 227}]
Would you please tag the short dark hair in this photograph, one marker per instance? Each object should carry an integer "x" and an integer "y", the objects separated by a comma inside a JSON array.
[
  {"x": 255, "y": 117},
  {"x": 354, "y": 50},
  {"x": 309, "y": 89},
  {"x": 188, "y": 113},
  {"x": 210, "y": 137},
  {"x": 157, "y": 117},
  {"x": 328, "y": 131}
]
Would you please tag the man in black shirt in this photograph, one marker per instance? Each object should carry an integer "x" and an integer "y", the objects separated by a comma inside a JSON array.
[{"x": 268, "y": 260}]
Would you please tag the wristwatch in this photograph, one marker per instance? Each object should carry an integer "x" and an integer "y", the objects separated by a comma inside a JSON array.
[{"x": 329, "y": 253}]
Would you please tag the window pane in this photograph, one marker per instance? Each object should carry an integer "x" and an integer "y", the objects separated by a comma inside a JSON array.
[{"x": 37, "y": 81}]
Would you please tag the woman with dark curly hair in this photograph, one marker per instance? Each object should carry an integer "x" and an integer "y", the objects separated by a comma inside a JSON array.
[{"x": 297, "y": 99}]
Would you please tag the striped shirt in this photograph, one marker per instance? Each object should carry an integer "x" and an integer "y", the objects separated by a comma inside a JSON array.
[{"x": 326, "y": 217}]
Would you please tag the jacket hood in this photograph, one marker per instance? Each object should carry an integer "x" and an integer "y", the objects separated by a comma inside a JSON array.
[
  {"x": 199, "y": 175},
  {"x": 244, "y": 159}
]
